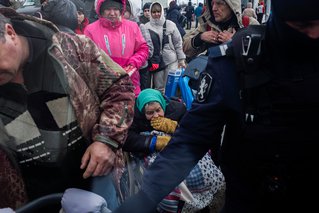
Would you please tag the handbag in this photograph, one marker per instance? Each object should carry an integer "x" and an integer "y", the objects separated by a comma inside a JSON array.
[{"x": 165, "y": 40}]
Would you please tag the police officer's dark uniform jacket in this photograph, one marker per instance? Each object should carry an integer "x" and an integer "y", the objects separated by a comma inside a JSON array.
[{"x": 269, "y": 155}]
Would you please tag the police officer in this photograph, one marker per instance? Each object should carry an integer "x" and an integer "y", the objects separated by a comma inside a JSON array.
[{"x": 268, "y": 154}]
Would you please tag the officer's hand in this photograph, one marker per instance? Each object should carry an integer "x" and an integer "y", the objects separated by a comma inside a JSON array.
[
  {"x": 163, "y": 124},
  {"x": 98, "y": 160}
]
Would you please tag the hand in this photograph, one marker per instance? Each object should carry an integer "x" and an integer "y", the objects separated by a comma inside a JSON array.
[
  {"x": 181, "y": 63},
  {"x": 163, "y": 124},
  {"x": 210, "y": 37},
  {"x": 161, "y": 142},
  {"x": 98, "y": 160},
  {"x": 226, "y": 35},
  {"x": 130, "y": 69},
  {"x": 154, "y": 67}
]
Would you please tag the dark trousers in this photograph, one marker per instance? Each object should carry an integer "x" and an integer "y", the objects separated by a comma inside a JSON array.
[
  {"x": 189, "y": 23},
  {"x": 260, "y": 17},
  {"x": 145, "y": 78},
  {"x": 251, "y": 194},
  {"x": 196, "y": 22}
]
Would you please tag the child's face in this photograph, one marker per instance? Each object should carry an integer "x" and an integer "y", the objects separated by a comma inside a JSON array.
[
  {"x": 147, "y": 13},
  {"x": 80, "y": 17}
]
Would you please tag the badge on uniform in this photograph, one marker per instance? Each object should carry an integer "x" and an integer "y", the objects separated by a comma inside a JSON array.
[{"x": 205, "y": 84}]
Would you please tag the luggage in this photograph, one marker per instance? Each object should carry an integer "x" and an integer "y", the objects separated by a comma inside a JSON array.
[{"x": 177, "y": 80}]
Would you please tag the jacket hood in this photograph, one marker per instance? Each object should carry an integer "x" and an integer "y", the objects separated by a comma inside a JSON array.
[
  {"x": 80, "y": 6},
  {"x": 235, "y": 6},
  {"x": 22, "y": 22},
  {"x": 173, "y": 6},
  {"x": 98, "y": 3},
  {"x": 162, "y": 19},
  {"x": 62, "y": 13}
]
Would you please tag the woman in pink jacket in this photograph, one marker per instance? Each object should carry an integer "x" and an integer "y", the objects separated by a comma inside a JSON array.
[{"x": 121, "y": 39}]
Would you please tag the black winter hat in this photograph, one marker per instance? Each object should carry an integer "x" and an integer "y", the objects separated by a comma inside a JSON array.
[
  {"x": 61, "y": 13},
  {"x": 147, "y": 5},
  {"x": 111, "y": 3},
  {"x": 296, "y": 10}
]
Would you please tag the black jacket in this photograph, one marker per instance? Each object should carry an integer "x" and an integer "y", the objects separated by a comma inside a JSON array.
[
  {"x": 174, "y": 15},
  {"x": 140, "y": 143}
]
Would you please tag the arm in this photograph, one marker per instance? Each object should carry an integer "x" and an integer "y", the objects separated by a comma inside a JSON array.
[
  {"x": 148, "y": 39},
  {"x": 137, "y": 143},
  {"x": 178, "y": 43},
  {"x": 141, "y": 50},
  {"x": 111, "y": 130},
  {"x": 188, "y": 46},
  {"x": 108, "y": 95},
  {"x": 200, "y": 129}
]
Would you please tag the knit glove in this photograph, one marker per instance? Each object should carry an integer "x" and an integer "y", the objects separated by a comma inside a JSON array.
[
  {"x": 164, "y": 124},
  {"x": 159, "y": 142},
  {"x": 154, "y": 67}
]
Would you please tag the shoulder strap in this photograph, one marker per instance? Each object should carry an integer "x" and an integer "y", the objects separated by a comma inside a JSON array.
[
  {"x": 247, "y": 45},
  {"x": 248, "y": 51},
  {"x": 164, "y": 32}
]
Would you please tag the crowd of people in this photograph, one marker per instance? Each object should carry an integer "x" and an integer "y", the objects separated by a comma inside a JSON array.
[{"x": 83, "y": 105}]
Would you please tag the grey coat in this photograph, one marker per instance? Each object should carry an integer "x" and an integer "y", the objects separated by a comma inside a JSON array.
[{"x": 173, "y": 50}]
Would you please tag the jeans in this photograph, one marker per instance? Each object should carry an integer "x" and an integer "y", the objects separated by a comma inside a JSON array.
[{"x": 104, "y": 186}]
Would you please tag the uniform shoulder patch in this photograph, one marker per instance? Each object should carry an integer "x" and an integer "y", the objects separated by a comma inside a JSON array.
[{"x": 205, "y": 83}]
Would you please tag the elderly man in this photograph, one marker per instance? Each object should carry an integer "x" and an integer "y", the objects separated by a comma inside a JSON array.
[
  {"x": 65, "y": 108},
  {"x": 220, "y": 20}
]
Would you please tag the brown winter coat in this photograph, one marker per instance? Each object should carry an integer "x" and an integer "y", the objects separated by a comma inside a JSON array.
[{"x": 100, "y": 91}]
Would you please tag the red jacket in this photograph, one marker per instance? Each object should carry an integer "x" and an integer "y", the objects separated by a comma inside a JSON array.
[{"x": 80, "y": 28}]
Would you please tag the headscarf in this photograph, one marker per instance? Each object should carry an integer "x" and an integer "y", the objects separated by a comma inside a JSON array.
[
  {"x": 150, "y": 95},
  {"x": 157, "y": 22}
]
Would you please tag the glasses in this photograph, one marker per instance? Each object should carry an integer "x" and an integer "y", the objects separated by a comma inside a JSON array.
[{"x": 218, "y": 3}]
